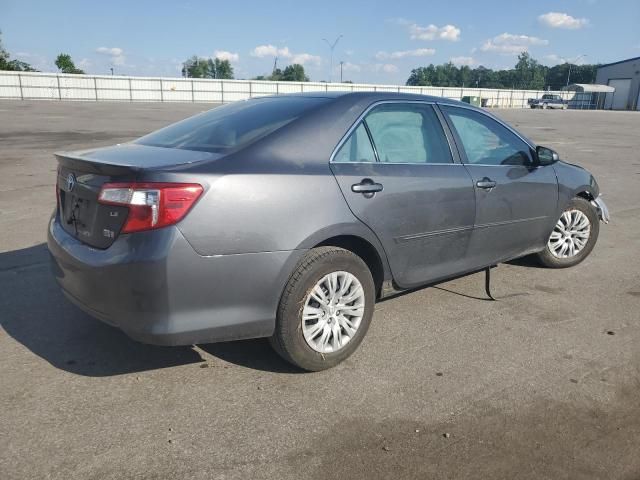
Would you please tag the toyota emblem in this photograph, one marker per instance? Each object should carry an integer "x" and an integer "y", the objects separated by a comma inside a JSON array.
[{"x": 71, "y": 182}]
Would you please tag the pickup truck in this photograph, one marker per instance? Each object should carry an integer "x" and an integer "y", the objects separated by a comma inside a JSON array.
[{"x": 548, "y": 100}]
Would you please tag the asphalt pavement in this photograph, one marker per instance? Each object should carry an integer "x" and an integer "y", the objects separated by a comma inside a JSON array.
[{"x": 542, "y": 384}]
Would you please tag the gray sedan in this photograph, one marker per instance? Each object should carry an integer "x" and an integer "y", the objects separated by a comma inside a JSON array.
[{"x": 288, "y": 217}]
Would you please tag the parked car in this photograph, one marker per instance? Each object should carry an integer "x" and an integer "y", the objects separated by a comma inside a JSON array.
[
  {"x": 288, "y": 217},
  {"x": 548, "y": 100}
]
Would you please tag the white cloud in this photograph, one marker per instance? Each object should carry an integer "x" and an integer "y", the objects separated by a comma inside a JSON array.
[
  {"x": 509, "y": 44},
  {"x": 562, "y": 20},
  {"x": 224, "y": 55},
  {"x": 468, "y": 61},
  {"x": 116, "y": 54},
  {"x": 385, "y": 67},
  {"x": 306, "y": 58},
  {"x": 419, "y": 52},
  {"x": 262, "y": 51},
  {"x": 432, "y": 32}
]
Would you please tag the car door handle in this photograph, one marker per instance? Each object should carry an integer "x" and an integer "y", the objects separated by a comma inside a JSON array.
[
  {"x": 366, "y": 186},
  {"x": 486, "y": 183}
]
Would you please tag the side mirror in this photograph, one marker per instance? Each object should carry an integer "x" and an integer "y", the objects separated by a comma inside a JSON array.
[{"x": 546, "y": 156}]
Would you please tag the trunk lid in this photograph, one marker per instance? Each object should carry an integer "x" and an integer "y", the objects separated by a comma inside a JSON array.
[{"x": 82, "y": 174}]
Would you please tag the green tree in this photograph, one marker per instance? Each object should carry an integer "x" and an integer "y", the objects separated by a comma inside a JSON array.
[
  {"x": 4, "y": 55},
  {"x": 14, "y": 65},
  {"x": 66, "y": 65},
  {"x": 528, "y": 73},
  {"x": 196, "y": 67},
  {"x": 276, "y": 75},
  {"x": 421, "y": 76},
  {"x": 223, "y": 69},
  {"x": 557, "y": 75},
  {"x": 294, "y": 73},
  {"x": 464, "y": 76}
]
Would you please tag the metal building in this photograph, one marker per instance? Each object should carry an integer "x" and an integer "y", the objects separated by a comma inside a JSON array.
[{"x": 624, "y": 76}]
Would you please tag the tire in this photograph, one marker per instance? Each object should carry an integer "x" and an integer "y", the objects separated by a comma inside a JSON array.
[
  {"x": 549, "y": 259},
  {"x": 292, "y": 338}
]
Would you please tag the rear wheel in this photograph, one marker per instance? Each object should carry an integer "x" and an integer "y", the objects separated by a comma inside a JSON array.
[
  {"x": 573, "y": 237},
  {"x": 325, "y": 310}
]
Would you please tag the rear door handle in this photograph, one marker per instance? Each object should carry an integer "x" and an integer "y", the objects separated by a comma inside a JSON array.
[
  {"x": 367, "y": 186},
  {"x": 486, "y": 183}
]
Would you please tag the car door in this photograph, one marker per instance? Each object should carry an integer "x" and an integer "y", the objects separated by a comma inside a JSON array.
[
  {"x": 516, "y": 200},
  {"x": 397, "y": 173}
]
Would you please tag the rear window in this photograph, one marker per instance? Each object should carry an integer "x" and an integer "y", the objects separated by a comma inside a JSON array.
[{"x": 232, "y": 126}]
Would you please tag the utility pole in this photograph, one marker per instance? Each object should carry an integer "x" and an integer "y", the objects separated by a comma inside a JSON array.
[
  {"x": 275, "y": 66},
  {"x": 332, "y": 47},
  {"x": 341, "y": 64}
]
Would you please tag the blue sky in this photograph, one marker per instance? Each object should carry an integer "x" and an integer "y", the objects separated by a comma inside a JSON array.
[{"x": 381, "y": 43}]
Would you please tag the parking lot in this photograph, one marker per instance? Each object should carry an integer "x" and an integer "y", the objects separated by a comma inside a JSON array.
[{"x": 542, "y": 384}]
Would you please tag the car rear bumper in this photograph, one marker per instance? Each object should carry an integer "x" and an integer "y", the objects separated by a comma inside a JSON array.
[{"x": 158, "y": 290}]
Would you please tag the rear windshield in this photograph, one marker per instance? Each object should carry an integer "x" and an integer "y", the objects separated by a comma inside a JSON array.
[{"x": 232, "y": 126}]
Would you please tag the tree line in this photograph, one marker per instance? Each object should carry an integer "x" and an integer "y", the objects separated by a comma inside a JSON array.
[
  {"x": 527, "y": 74},
  {"x": 197, "y": 67}
]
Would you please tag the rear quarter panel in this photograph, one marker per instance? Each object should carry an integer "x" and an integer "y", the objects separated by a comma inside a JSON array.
[{"x": 261, "y": 212}]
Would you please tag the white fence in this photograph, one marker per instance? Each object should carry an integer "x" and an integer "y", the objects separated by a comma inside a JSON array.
[{"x": 52, "y": 86}]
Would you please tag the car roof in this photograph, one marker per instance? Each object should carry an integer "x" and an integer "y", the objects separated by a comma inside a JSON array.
[{"x": 372, "y": 96}]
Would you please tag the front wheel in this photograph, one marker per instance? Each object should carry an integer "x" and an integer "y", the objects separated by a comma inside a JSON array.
[
  {"x": 325, "y": 310},
  {"x": 573, "y": 237}
]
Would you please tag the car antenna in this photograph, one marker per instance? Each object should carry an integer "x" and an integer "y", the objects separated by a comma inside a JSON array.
[{"x": 487, "y": 282}]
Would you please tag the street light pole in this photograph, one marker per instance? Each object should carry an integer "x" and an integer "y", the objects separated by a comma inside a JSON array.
[
  {"x": 574, "y": 60},
  {"x": 341, "y": 64},
  {"x": 332, "y": 47}
]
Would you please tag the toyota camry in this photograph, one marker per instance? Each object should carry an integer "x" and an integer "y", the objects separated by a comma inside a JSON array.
[{"x": 288, "y": 217}]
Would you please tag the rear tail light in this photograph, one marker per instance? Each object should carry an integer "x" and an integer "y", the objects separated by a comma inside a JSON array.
[{"x": 151, "y": 205}]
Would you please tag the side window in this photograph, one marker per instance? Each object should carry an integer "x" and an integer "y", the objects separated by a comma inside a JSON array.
[
  {"x": 408, "y": 133},
  {"x": 357, "y": 148},
  {"x": 485, "y": 141}
]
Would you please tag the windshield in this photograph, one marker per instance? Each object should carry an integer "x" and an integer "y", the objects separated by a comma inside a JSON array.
[{"x": 232, "y": 126}]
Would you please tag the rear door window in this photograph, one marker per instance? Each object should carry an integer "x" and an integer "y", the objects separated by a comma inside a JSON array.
[
  {"x": 408, "y": 133},
  {"x": 357, "y": 148},
  {"x": 232, "y": 126}
]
